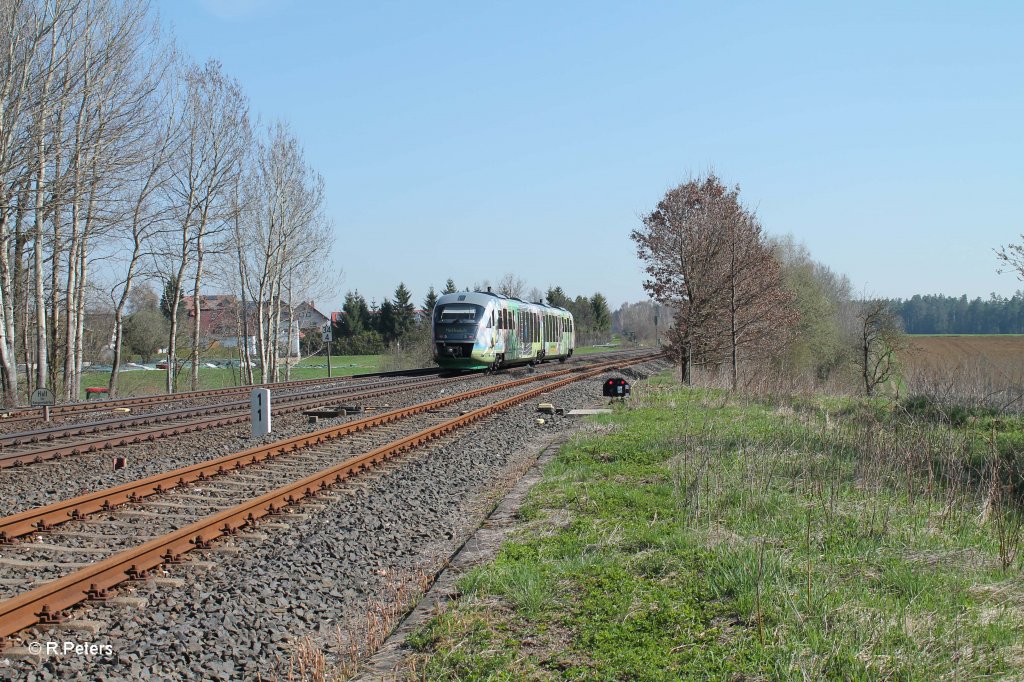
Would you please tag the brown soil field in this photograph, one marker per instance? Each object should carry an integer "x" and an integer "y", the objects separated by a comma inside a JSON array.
[
  {"x": 952, "y": 351},
  {"x": 976, "y": 365}
]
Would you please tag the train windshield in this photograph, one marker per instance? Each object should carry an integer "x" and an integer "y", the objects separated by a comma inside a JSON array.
[{"x": 458, "y": 313}]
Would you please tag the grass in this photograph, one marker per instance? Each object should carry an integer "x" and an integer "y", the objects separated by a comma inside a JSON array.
[
  {"x": 142, "y": 382},
  {"x": 709, "y": 537}
]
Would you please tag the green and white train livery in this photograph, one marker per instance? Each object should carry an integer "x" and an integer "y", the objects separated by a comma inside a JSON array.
[{"x": 484, "y": 330}]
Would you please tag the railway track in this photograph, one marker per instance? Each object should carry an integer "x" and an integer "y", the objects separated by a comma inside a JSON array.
[
  {"x": 17, "y": 449},
  {"x": 188, "y": 508},
  {"x": 20, "y": 417},
  {"x": 23, "y": 416}
]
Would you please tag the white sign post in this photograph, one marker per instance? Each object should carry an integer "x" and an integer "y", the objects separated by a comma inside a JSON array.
[
  {"x": 44, "y": 397},
  {"x": 328, "y": 337},
  {"x": 260, "y": 405}
]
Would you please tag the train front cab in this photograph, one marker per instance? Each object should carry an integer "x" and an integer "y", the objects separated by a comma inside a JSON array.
[{"x": 458, "y": 327}]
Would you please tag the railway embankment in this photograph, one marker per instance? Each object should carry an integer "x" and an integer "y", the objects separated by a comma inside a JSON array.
[{"x": 695, "y": 534}]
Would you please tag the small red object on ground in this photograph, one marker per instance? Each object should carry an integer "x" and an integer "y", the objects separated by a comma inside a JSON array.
[{"x": 98, "y": 390}]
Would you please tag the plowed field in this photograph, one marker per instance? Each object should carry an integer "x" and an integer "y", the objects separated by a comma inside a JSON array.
[
  {"x": 952, "y": 351},
  {"x": 972, "y": 364}
]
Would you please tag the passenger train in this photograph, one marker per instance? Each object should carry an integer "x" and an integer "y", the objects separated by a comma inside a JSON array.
[{"x": 484, "y": 330}]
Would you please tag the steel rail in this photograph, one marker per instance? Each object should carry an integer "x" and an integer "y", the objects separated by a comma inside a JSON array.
[
  {"x": 44, "y": 518},
  {"x": 65, "y": 409},
  {"x": 69, "y": 409},
  {"x": 71, "y": 430},
  {"x": 46, "y": 603},
  {"x": 149, "y": 435}
]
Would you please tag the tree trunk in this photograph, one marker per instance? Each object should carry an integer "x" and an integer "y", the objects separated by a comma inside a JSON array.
[{"x": 195, "y": 303}]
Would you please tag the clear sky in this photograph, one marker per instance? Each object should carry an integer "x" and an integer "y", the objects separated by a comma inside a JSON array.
[{"x": 471, "y": 139}]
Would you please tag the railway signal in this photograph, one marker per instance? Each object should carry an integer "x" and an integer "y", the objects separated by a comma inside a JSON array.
[{"x": 616, "y": 388}]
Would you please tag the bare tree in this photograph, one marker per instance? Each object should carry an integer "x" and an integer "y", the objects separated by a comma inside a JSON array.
[
  {"x": 682, "y": 245},
  {"x": 146, "y": 215},
  {"x": 214, "y": 136},
  {"x": 1012, "y": 258},
  {"x": 881, "y": 340},
  {"x": 511, "y": 285},
  {"x": 118, "y": 65},
  {"x": 25, "y": 29},
  {"x": 640, "y": 321},
  {"x": 88, "y": 152},
  {"x": 708, "y": 260},
  {"x": 282, "y": 229},
  {"x": 760, "y": 308}
]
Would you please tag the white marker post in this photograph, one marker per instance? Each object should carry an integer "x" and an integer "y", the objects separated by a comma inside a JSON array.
[
  {"x": 260, "y": 405},
  {"x": 44, "y": 397}
]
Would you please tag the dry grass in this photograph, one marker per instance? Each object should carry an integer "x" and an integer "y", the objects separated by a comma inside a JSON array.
[
  {"x": 337, "y": 656},
  {"x": 967, "y": 370}
]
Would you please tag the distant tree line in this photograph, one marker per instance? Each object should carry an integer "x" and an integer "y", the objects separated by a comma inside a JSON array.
[
  {"x": 939, "y": 314},
  {"x": 369, "y": 328}
]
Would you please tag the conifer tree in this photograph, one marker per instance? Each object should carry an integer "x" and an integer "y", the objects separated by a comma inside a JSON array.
[{"x": 430, "y": 301}]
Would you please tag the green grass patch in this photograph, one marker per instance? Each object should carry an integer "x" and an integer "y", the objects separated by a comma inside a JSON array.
[
  {"x": 709, "y": 537},
  {"x": 145, "y": 382}
]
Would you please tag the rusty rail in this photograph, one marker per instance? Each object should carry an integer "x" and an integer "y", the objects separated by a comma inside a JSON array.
[
  {"x": 47, "y": 602},
  {"x": 69, "y": 409},
  {"x": 45, "y": 518},
  {"x": 149, "y": 435}
]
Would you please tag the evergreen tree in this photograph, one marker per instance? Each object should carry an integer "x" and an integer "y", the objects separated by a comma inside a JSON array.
[
  {"x": 449, "y": 287},
  {"x": 939, "y": 314},
  {"x": 404, "y": 311},
  {"x": 602, "y": 316},
  {"x": 356, "y": 315},
  {"x": 387, "y": 321},
  {"x": 582, "y": 312},
  {"x": 430, "y": 301},
  {"x": 557, "y": 297},
  {"x": 168, "y": 296}
]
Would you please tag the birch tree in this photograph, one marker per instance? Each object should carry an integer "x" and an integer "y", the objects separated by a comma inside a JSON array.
[
  {"x": 214, "y": 135},
  {"x": 25, "y": 30},
  {"x": 146, "y": 215},
  {"x": 284, "y": 228},
  {"x": 113, "y": 116}
]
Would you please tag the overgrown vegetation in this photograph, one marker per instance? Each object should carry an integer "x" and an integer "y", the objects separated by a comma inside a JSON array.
[
  {"x": 712, "y": 536},
  {"x": 753, "y": 305}
]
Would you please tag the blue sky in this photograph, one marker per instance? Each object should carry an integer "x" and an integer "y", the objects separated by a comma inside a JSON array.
[{"x": 469, "y": 139}]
